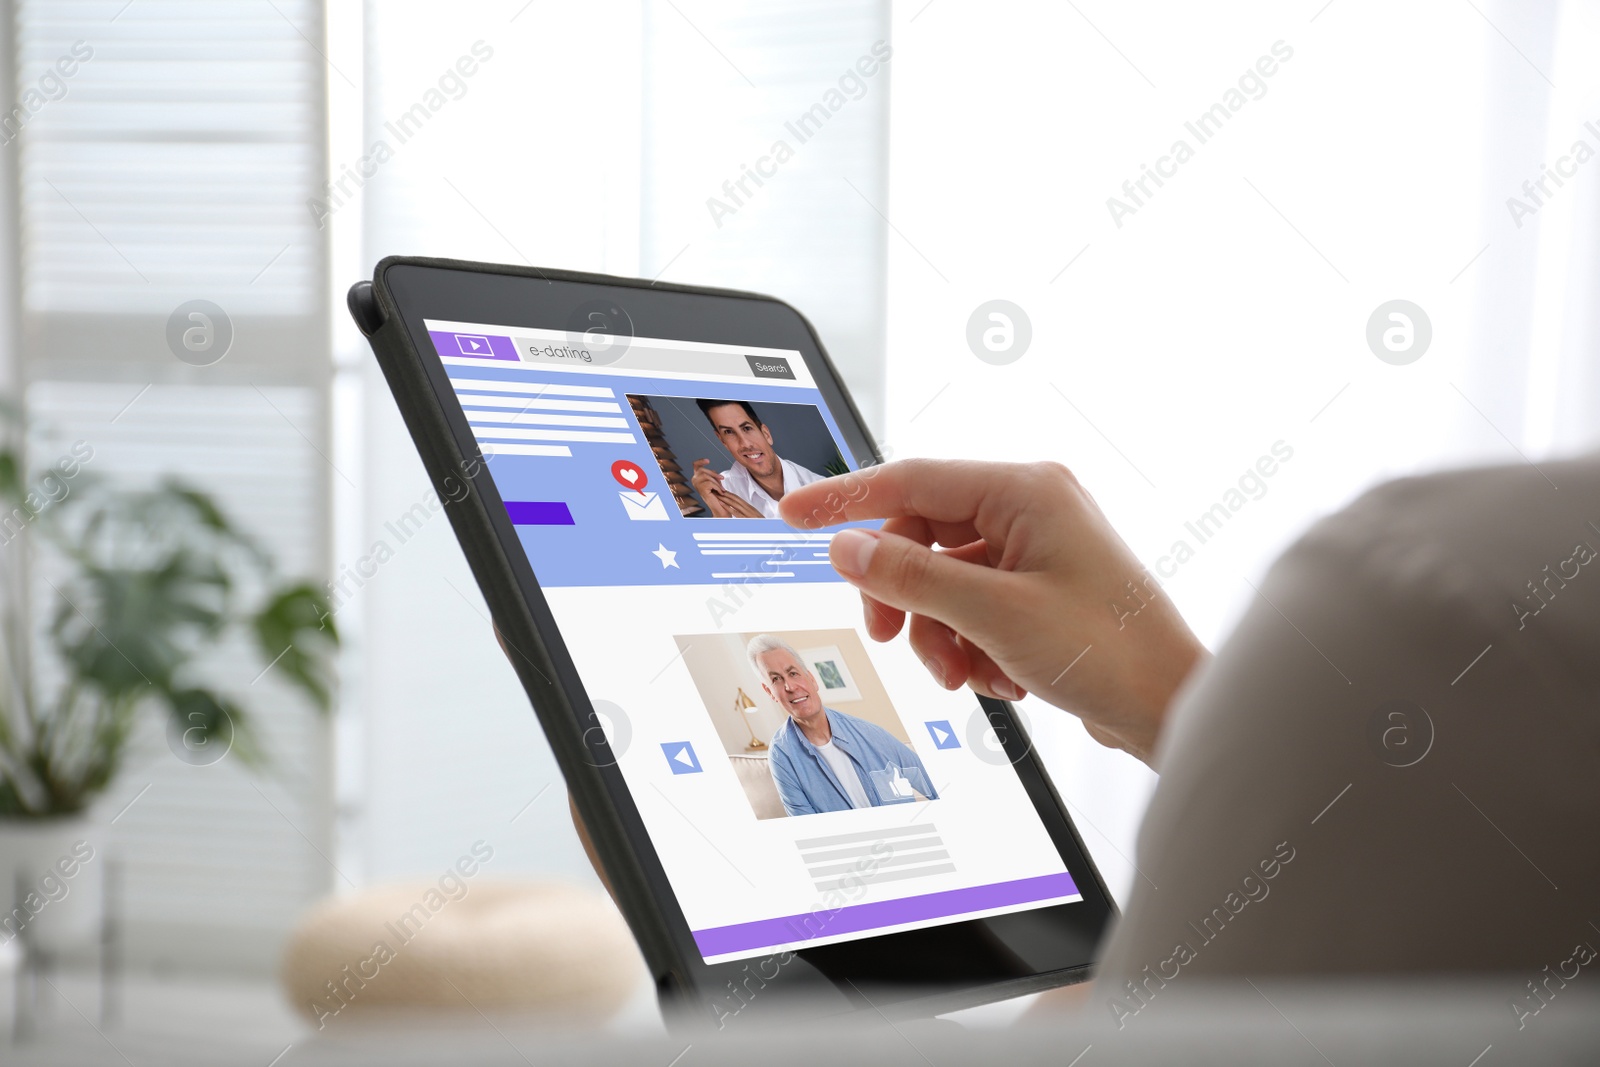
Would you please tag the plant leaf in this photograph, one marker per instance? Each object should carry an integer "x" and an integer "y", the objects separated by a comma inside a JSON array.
[
  {"x": 295, "y": 631},
  {"x": 206, "y": 718}
]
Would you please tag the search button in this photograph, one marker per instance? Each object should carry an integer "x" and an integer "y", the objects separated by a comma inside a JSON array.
[{"x": 770, "y": 367}]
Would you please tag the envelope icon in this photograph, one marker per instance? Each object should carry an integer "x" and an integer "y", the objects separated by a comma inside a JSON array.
[{"x": 644, "y": 507}]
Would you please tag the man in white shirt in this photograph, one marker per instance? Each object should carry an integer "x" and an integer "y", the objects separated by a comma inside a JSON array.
[{"x": 752, "y": 487}]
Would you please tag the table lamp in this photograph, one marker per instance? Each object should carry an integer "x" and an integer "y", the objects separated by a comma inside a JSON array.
[{"x": 747, "y": 707}]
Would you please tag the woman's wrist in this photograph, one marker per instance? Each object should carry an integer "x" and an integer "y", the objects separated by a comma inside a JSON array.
[{"x": 1147, "y": 700}]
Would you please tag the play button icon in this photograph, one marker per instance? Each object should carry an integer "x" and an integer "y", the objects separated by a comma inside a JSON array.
[
  {"x": 681, "y": 758},
  {"x": 472, "y": 344},
  {"x": 944, "y": 736}
]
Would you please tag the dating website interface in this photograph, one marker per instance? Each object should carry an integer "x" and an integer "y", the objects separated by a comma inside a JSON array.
[{"x": 802, "y": 785}]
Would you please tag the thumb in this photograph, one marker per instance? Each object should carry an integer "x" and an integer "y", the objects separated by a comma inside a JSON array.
[{"x": 912, "y": 577}]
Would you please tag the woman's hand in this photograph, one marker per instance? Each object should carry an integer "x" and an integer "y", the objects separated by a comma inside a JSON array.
[{"x": 1013, "y": 581}]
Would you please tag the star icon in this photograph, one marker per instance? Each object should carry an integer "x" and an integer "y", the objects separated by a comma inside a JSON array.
[{"x": 667, "y": 557}]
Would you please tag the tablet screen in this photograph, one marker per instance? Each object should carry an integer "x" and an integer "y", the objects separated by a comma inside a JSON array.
[{"x": 803, "y": 785}]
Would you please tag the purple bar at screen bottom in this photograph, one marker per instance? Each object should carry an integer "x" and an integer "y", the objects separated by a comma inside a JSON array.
[{"x": 854, "y": 918}]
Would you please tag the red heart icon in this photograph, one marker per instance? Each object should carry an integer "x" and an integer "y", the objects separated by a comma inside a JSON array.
[{"x": 629, "y": 475}]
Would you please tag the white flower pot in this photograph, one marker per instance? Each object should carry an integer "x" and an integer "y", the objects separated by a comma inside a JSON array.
[{"x": 52, "y": 884}]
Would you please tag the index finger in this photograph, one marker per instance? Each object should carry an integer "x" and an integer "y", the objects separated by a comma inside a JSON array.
[{"x": 964, "y": 496}]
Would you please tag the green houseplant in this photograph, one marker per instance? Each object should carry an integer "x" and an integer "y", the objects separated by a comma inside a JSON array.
[
  {"x": 130, "y": 590},
  {"x": 154, "y": 578}
]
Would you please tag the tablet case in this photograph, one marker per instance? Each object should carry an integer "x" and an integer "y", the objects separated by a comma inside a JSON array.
[{"x": 376, "y": 313}]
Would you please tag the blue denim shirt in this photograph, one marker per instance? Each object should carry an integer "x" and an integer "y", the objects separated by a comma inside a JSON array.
[{"x": 807, "y": 785}]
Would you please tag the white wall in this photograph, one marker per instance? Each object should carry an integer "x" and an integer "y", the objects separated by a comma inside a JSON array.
[{"x": 1228, "y": 313}]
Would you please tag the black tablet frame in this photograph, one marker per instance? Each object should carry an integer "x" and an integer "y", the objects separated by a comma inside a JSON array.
[{"x": 390, "y": 311}]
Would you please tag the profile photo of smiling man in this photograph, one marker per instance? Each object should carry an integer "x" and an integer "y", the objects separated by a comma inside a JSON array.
[
  {"x": 752, "y": 487},
  {"x": 823, "y": 759}
]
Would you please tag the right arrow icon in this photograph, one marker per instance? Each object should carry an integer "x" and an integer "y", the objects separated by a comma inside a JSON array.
[{"x": 943, "y": 734}]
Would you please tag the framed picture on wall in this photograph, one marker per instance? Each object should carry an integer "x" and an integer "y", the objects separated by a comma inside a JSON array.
[{"x": 833, "y": 674}]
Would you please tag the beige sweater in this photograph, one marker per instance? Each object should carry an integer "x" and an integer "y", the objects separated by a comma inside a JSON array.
[{"x": 1393, "y": 765}]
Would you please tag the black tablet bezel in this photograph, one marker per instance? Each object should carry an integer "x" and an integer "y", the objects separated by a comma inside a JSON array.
[{"x": 407, "y": 291}]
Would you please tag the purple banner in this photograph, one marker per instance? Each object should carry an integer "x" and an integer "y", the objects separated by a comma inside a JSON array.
[
  {"x": 539, "y": 513},
  {"x": 855, "y": 918},
  {"x": 474, "y": 345}
]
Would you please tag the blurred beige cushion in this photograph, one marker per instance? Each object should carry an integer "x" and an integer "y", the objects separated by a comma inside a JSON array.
[
  {"x": 492, "y": 946},
  {"x": 755, "y": 775}
]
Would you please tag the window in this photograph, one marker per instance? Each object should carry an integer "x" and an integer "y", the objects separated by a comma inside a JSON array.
[{"x": 166, "y": 154}]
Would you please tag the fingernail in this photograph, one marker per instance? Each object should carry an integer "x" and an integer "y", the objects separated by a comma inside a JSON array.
[
  {"x": 1008, "y": 690},
  {"x": 852, "y": 551}
]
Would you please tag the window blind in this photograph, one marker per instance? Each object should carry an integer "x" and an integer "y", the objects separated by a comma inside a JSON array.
[{"x": 166, "y": 152}]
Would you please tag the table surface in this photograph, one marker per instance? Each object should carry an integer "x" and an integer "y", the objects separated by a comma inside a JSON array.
[{"x": 1271, "y": 1022}]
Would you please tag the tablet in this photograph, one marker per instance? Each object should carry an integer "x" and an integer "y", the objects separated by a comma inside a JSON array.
[{"x": 789, "y": 815}]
